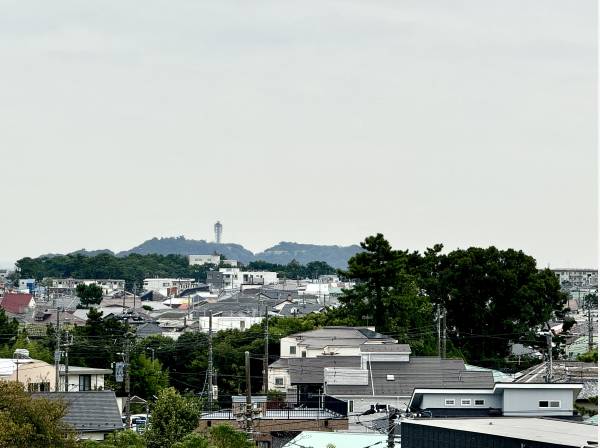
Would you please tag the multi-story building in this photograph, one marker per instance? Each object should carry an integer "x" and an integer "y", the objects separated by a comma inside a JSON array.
[
  {"x": 68, "y": 285},
  {"x": 235, "y": 278},
  {"x": 200, "y": 260},
  {"x": 169, "y": 286},
  {"x": 572, "y": 277}
]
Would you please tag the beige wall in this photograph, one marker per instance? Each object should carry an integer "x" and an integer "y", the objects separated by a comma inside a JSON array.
[{"x": 33, "y": 373}]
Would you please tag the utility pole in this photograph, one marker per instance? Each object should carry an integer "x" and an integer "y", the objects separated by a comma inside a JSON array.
[
  {"x": 57, "y": 353},
  {"x": 439, "y": 332},
  {"x": 590, "y": 327},
  {"x": 443, "y": 333},
  {"x": 266, "y": 360},
  {"x": 210, "y": 362},
  {"x": 134, "y": 293},
  {"x": 392, "y": 413},
  {"x": 127, "y": 380},
  {"x": 248, "y": 395},
  {"x": 67, "y": 344},
  {"x": 549, "y": 365}
]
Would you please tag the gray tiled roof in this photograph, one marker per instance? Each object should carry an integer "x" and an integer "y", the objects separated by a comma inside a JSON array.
[
  {"x": 300, "y": 309},
  {"x": 421, "y": 372},
  {"x": 310, "y": 370},
  {"x": 90, "y": 411},
  {"x": 341, "y": 336}
]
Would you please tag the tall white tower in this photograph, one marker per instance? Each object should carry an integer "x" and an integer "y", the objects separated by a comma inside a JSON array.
[{"x": 218, "y": 232}]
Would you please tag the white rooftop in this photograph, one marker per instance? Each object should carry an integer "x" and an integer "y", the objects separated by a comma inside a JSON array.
[
  {"x": 322, "y": 439},
  {"x": 543, "y": 430}
]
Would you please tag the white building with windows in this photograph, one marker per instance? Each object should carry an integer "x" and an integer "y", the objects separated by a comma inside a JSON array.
[
  {"x": 200, "y": 260},
  {"x": 577, "y": 277},
  {"x": 169, "y": 286},
  {"x": 80, "y": 379},
  {"x": 109, "y": 286},
  {"x": 235, "y": 278}
]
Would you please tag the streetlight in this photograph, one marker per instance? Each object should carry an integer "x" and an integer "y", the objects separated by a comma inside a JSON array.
[{"x": 152, "y": 350}]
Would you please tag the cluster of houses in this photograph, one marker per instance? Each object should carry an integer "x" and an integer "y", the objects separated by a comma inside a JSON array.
[{"x": 347, "y": 386}]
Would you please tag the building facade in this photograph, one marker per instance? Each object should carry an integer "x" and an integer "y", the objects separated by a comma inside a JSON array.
[
  {"x": 577, "y": 277},
  {"x": 200, "y": 260}
]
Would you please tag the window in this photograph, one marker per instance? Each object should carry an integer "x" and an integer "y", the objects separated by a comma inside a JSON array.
[
  {"x": 479, "y": 402},
  {"x": 242, "y": 325},
  {"x": 38, "y": 387},
  {"x": 549, "y": 404},
  {"x": 449, "y": 402},
  {"x": 85, "y": 382},
  {"x": 350, "y": 406},
  {"x": 292, "y": 349},
  {"x": 279, "y": 381},
  {"x": 465, "y": 402},
  {"x": 390, "y": 377},
  {"x": 304, "y": 354}
]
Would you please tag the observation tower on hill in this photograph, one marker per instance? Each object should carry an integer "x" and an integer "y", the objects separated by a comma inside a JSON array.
[{"x": 218, "y": 232}]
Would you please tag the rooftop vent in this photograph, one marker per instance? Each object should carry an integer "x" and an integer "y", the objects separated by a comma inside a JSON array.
[{"x": 390, "y": 377}]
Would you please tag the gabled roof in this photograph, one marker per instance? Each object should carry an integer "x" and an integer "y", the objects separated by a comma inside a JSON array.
[
  {"x": 419, "y": 372},
  {"x": 148, "y": 329},
  {"x": 311, "y": 370},
  {"x": 16, "y": 303},
  {"x": 90, "y": 411},
  {"x": 291, "y": 309},
  {"x": 340, "y": 336}
]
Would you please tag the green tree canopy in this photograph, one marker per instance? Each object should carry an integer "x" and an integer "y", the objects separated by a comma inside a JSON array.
[
  {"x": 89, "y": 294},
  {"x": 173, "y": 417},
  {"x": 27, "y": 422}
]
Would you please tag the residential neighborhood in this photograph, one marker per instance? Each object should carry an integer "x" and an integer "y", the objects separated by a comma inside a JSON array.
[
  {"x": 351, "y": 381},
  {"x": 299, "y": 224}
]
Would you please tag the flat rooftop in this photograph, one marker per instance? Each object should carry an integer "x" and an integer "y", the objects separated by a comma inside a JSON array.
[{"x": 545, "y": 430}]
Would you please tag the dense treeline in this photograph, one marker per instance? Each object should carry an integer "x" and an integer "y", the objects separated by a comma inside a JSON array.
[{"x": 133, "y": 268}]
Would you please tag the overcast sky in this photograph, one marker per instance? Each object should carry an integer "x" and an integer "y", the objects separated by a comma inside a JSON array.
[{"x": 461, "y": 122}]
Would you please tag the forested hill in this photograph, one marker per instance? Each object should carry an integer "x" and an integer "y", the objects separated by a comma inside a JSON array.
[
  {"x": 282, "y": 253},
  {"x": 182, "y": 246}
]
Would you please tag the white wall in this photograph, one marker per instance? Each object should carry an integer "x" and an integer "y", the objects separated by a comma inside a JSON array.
[
  {"x": 281, "y": 373},
  {"x": 200, "y": 260},
  {"x": 97, "y": 382},
  {"x": 525, "y": 402},
  {"x": 229, "y": 322}
]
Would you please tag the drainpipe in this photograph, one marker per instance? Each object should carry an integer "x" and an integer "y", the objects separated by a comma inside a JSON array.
[{"x": 371, "y": 374}]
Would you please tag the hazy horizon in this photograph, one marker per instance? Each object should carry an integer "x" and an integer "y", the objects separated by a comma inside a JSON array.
[{"x": 470, "y": 123}]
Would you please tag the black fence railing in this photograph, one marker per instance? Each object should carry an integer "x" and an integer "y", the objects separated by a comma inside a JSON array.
[{"x": 319, "y": 407}]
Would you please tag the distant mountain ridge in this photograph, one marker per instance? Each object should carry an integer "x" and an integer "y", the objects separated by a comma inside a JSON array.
[
  {"x": 281, "y": 253},
  {"x": 284, "y": 252}
]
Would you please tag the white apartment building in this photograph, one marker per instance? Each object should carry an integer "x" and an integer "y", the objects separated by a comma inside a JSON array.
[
  {"x": 169, "y": 286},
  {"x": 234, "y": 278},
  {"x": 200, "y": 260},
  {"x": 109, "y": 286},
  {"x": 577, "y": 277}
]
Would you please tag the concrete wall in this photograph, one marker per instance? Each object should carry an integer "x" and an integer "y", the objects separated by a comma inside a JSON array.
[{"x": 525, "y": 402}]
